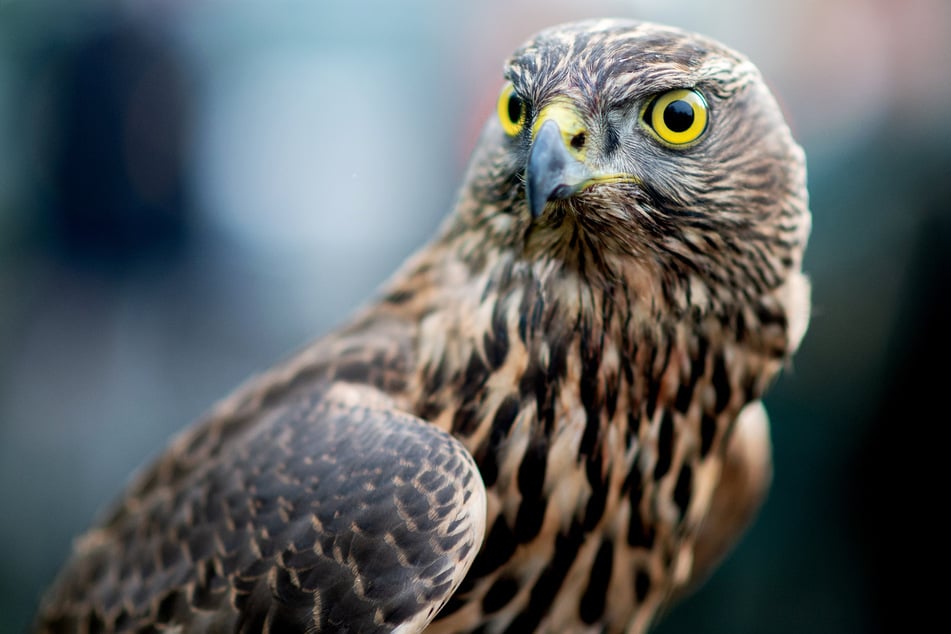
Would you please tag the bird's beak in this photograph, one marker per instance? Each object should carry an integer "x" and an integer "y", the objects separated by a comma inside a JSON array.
[{"x": 556, "y": 167}]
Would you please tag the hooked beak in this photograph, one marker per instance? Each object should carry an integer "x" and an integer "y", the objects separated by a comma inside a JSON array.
[
  {"x": 553, "y": 172},
  {"x": 557, "y": 166}
]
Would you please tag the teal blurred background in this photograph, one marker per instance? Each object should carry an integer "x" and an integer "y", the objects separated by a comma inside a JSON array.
[{"x": 190, "y": 190}]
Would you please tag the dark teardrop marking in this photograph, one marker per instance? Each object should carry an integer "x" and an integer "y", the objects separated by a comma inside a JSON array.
[
  {"x": 496, "y": 342},
  {"x": 474, "y": 378},
  {"x": 721, "y": 384},
  {"x": 642, "y": 585},
  {"x": 499, "y": 546},
  {"x": 549, "y": 581},
  {"x": 683, "y": 489},
  {"x": 639, "y": 533},
  {"x": 599, "y": 491},
  {"x": 592, "y": 601},
  {"x": 531, "y": 480},
  {"x": 708, "y": 431},
  {"x": 488, "y": 456},
  {"x": 665, "y": 445},
  {"x": 500, "y": 593}
]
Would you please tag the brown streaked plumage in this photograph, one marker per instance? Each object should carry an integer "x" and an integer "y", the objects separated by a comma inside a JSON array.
[{"x": 550, "y": 419}]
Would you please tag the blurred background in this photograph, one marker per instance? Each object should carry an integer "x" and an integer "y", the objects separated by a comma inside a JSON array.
[{"x": 189, "y": 191}]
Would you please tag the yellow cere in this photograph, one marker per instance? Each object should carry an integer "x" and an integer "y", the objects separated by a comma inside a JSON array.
[
  {"x": 512, "y": 110},
  {"x": 678, "y": 116},
  {"x": 570, "y": 124}
]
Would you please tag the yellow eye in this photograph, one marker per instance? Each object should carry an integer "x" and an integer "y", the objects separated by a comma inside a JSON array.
[
  {"x": 678, "y": 116},
  {"x": 512, "y": 110}
]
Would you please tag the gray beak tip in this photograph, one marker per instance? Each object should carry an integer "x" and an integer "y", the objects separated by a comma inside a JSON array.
[
  {"x": 552, "y": 172},
  {"x": 536, "y": 198}
]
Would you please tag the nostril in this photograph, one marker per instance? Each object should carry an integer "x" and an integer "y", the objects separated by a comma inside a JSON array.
[{"x": 577, "y": 141}]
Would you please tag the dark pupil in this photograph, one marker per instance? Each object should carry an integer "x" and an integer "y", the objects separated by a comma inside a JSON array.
[
  {"x": 678, "y": 115},
  {"x": 515, "y": 109}
]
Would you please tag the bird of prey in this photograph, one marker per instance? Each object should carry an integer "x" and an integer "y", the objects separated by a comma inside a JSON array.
[{"x": 549, "y": 419}]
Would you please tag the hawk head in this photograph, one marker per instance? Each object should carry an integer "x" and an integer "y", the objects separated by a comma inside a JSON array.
[{"x": 636, "y": 154}]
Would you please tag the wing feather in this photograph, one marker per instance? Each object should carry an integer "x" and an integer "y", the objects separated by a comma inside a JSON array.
[{"x": 335, "y": 512}]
